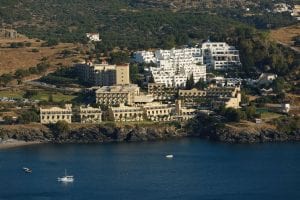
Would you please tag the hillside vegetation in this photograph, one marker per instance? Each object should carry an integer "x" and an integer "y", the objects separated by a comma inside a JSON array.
[{"x": 132, "y": 23}]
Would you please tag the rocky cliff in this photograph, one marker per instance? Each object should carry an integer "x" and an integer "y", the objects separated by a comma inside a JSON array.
[
  {"x": 91, "y": 133},
  {"x": 249, "y": 134},
  {"x": 238, "y": 133}
]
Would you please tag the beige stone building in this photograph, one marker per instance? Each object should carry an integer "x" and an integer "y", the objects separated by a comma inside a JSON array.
[
  {"x": 97, "y": 74},
  {"x": 161, "y": 92},
  {"x": 230, "y": 97},
  {"x": 215, "y": 96},
  {"x": 55, "y": 114},
  {"x": 125, "y": 113},
  {"x": 90, "y": 115},
  {"x": 118, "y": 94},
  {"x": 122, "y": 74},
  {"x": 143, "y": 99},
  {"x": 191, "y": 95},
  {"x": 183, "y": 113},
  {"x": 158, "y": 112}
]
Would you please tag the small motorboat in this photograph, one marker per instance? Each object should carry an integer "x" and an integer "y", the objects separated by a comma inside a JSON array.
[
  {"x": 169, "y": 156},
  {"x": 27, "y": 170},
  {"x": 66, "y": 178}
]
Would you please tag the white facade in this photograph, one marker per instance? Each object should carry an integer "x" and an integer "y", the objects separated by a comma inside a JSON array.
[
  {"x": 220, "y": 56},
  {"x": 144, "y": 57},
  {"x": 281, "y": 7},
  {"x": 175, "y": 66},
  {"x": 93, "y": 37}
]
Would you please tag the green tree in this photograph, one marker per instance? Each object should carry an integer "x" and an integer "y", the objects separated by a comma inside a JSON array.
[
  {"x": 251, "y": 112},
  {"x": 201, "y": 84},
  {"x": 278, "y": 85},
  {"x": 30, "y": 93},
  {"x": 189, "y": 82},
  {"x": 61, "y": 127},
  {"x": 50, "y": 42},
  {"x": 21, "y": 73},
  {"x": 134, "y": 71},
  {"x": 244, "y": 97},
  {"x": 28, "y": 117},
  {"x": 5, "y": 79},
  {"x": 119, "y": 57},
  {"x": 232, "y": 115},
  {"x": 42, "y": 67},
  {"x": 169, "y": 42},
  {"x": 50, "y": 98}
]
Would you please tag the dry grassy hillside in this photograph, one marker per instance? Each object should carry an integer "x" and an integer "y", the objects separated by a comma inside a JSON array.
[
  {"x": 12, "y": 59},
  {"x": 285, "y": 35}
]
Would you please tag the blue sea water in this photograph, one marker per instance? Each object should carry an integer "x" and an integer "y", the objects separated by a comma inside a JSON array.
[{"x": 199, "y": 170}]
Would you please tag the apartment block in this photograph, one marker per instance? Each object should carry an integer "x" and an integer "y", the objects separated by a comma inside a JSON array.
[
  {"x": 161, "y": 92},
  {"x": 220, "y": 56}
]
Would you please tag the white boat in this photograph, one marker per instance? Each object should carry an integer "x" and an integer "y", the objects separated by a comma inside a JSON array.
[
  {"x": 66, "y": 178},
  {"x": 27, "y": 170},
  {"x": 169, "y": 156}
]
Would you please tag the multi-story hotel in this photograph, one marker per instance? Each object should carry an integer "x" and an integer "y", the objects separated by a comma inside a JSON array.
[
  {"x": 103, "y": 74},
  {"x": 55, "y": 114},
  {"x": 174, "y": 66},
  {"x": 220, "y": 56},
  {"x": 96, "y": 74},
  {"x": 227, "y": 96},
  {"x": 90, "y": 115},
  {"x": 191, "y": 96},
  {"x": 216, "y": 96},
  {"x": 117, "y": 94},
  {"x": 161, "y": 92},
  {"x": 125, "y": 113}
]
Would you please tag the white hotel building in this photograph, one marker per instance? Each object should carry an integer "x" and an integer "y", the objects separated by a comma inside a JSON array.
[
  {"x": 220, "y": 56},
  {"x": 174, "y": 66},
  {"x": 144, "y": 57}
]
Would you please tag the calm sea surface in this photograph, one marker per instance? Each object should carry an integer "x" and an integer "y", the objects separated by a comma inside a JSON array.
[{"x": 199, "y": 170}]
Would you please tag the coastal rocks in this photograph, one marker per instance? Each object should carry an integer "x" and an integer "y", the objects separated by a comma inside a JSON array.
[
  {"x": 79, "y": 133},
  {"x": 231, "y": 135},
  {"x": 102, "y": 133},
  {"x": 26, "y": 133}
]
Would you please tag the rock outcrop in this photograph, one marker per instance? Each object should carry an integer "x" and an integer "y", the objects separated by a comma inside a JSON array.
[
  {"x": 229, "y": 134},
  {"x": 130, "y": 133},
  {"x": 91, "y": 133}
]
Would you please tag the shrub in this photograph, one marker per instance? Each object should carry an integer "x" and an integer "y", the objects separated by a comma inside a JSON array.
[
  {"x": 28, "y": 117},
  {"x": 34, "y": 50}
]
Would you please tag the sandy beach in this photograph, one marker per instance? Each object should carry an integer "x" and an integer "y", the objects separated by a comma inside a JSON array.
[{"x": 11, "y": 143}]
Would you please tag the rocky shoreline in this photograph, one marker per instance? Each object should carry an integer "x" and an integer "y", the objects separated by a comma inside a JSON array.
[
  {"x": 132, "y": 133},
  {"x": 91, "y": 133},
  {"x": 249, "y": 136}
]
